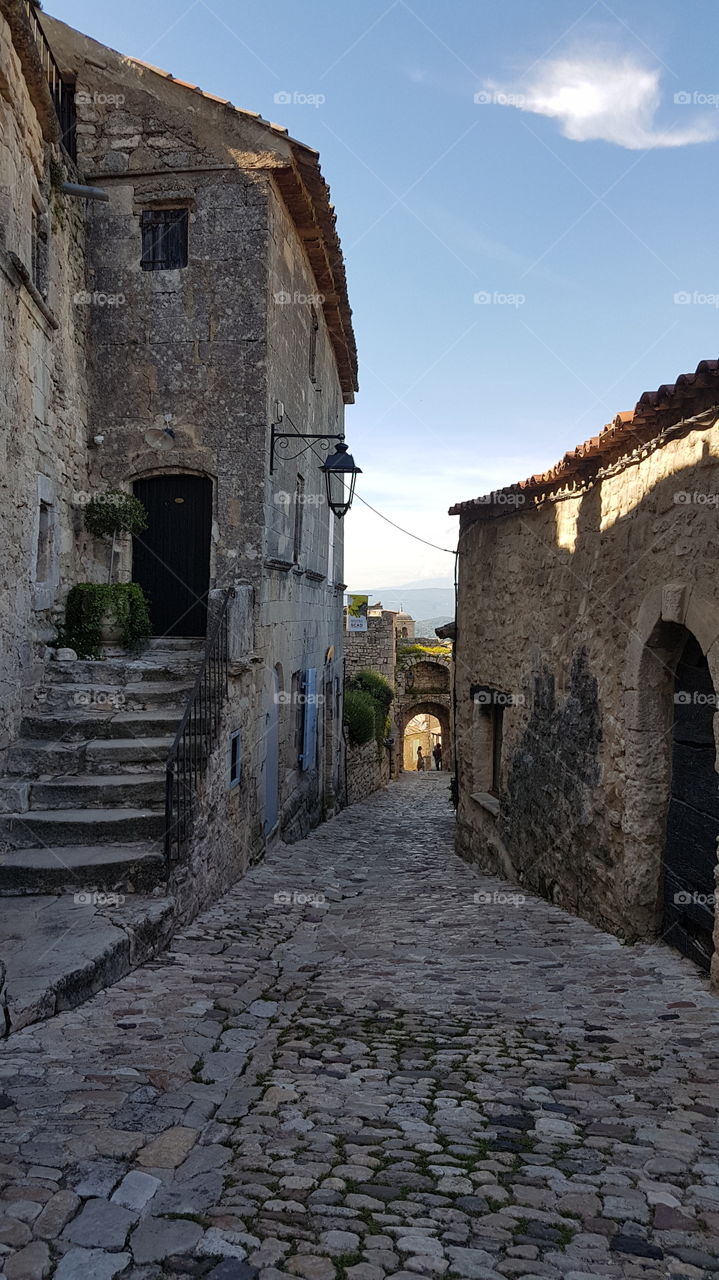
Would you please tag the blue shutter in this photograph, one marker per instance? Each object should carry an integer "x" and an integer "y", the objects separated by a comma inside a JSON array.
[{"x": 309, "y": 744}]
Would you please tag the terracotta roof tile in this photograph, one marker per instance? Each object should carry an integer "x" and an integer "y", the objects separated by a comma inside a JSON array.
[{"x": 653, "y": 411}]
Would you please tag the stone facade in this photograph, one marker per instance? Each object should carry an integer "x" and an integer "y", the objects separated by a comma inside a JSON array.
[
  {"x": 43, "y": 391},
  {"x": 578, "y": 592},
  {"x": 424, "y": 687},
  {"x": 374, "y": 649},
  {"x": 116, "y": 375}
]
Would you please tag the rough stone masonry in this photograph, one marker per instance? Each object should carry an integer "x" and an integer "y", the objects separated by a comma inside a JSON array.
[{"x": 366, "y": 1061}]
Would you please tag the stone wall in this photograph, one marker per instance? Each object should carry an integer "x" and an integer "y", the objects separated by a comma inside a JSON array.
[
  {"x": 374, "y": 649},
  {"x": 564, "y": 606},
  {"x": 368, "y": 769},
  {"x": 43, "y": 394}
]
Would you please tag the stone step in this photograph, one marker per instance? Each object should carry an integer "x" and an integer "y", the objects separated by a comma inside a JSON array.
[
  {"x": 33, "y": 758},
  {"x": 42, "y": 827},
  {"x": 195, "y": 644},
  {"x": 85, "y": 724},
  {"x": 112, "y": 755},
  {"x": 135, "y": 791},
  {"x": 79, "y": 869},
  {"x": 139, "y": 695},
  {"x": 116, "y": 671}
]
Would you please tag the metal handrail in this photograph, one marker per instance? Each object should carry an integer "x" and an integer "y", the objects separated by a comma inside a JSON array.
[
  {"x": 196, "y": 734},
  {"x": 61, "y": 91}
]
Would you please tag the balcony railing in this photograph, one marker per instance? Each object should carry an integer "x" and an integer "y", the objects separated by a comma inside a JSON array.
[{"x": 61, "y": 91}]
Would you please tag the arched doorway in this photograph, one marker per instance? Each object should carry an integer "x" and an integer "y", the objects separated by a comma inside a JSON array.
[
  {"x": 692, "y": 827},
  {"x": 435, "y": 721},
  {"x": 424, "y": 732},
  {"x": 171, "y": 559}
]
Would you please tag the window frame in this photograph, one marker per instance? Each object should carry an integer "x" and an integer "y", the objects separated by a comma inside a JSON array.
[{"x": 175, "y": 219}]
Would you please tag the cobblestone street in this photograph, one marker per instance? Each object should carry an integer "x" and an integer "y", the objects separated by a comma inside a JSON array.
[{"x": 415, "y": 1074}]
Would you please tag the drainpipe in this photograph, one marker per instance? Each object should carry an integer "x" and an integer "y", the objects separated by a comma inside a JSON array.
[{"x": 85, "y": 193}]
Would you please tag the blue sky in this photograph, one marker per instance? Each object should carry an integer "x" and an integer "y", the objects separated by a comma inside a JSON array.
[{"x": 577, "y": 197}]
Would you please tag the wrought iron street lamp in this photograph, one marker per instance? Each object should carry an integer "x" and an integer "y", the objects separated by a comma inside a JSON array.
[
  {"x": 340, "y": 469},
  {"x": 341, "y": 472}
]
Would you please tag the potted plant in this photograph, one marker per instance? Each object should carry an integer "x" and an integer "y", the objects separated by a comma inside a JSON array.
[{"x": 109, "y": 612}]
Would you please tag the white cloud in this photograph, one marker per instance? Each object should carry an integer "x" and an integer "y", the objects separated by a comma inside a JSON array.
[{"x": 598, "y": 96}]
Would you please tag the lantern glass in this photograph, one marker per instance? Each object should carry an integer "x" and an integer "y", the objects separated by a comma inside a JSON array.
[{"x": 340, "y": 478}]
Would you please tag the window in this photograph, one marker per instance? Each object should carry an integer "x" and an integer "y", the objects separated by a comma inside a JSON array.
[
  {"x": 314, "y": 329},
  {"x": 489, "y": 707},
  {"x": 235, "y": 759},
  {"x": 164, "y": 239},
  {"x": 43, "y": 561},
  {"x": 298, "y": 707},
  {"x": 299, "y": 515},
  {"x": 39, "y": 251}
]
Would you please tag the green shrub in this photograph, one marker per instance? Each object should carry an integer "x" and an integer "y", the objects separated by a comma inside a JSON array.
[
  {"x": 375, "y": 685},
  {"x": 86, "y": 607},
  {"x": 360, "y": 716},
  {"x": 376, "y": 694}
]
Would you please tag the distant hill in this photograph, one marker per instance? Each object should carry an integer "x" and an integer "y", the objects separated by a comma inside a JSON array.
[
  {"x": 426, "y": 626},
  {"x": 420, "y": 602}
]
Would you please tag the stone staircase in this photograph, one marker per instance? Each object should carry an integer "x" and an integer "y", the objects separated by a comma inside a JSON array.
[{"x": 82, "y": 805}]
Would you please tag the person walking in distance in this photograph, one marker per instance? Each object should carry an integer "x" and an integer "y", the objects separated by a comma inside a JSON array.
[
  {"x": 420, "y": 760},
  {"x": 437, "y": 753}
]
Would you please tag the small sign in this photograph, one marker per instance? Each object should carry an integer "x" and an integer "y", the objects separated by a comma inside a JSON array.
[{"x": 357, "y": 613}]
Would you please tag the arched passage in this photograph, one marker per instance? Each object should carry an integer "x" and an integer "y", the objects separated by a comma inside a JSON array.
[
  {"x": 438, "y": 714},
  {"x": 671, "y": 802}
]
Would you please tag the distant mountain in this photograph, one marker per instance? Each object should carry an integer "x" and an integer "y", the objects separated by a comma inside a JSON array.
[
  {"x": 426, "y": 626},
  {"x": 420, "y": 602}
]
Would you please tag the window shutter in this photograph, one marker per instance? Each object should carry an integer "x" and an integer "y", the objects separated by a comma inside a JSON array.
[{"x": 309, "y": 745}]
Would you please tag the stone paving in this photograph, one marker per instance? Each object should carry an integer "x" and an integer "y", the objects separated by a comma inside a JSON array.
[{"x": 366, "y": 1061}]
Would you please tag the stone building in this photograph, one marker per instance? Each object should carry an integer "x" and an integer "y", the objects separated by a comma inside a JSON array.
[
  {"x": 155, "y": 333},
  {"x": 587, "y": 659}
]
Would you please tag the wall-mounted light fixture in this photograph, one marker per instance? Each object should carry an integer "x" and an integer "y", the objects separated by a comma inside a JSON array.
[{"x": 340, "y": 469}]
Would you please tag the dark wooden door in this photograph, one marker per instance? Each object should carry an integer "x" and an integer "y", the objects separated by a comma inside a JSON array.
[
  {"x": 693, "y": 818},
  {"x": 171, "y": 559}
]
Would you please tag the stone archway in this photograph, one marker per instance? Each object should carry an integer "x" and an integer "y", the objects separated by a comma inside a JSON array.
[
  {"x": 441, "y": 713},
  {"x": 669, "y": 615},
  {"x": 424, "y": 687}
]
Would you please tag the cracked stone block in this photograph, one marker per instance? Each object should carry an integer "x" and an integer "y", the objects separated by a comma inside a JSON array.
[
  {"x": 82, "y": 1264},
  {"x": 101, "y": 1224},
  {"x": 136, "y": 1190},
  {"x": 159, "y": 1238}
]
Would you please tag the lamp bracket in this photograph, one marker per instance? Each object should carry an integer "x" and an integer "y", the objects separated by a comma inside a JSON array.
[{"x": 281, "y": 443}]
